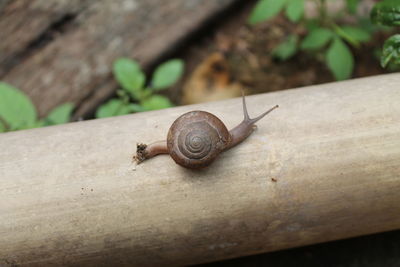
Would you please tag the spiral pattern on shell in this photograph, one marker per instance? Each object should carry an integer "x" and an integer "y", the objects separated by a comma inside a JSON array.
[{"x": 196, "y": 138}]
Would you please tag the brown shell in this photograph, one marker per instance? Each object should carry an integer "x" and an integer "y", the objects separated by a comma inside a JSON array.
[{"x": 196, "y": 138}]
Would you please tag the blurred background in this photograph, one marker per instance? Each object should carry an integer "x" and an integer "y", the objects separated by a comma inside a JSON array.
[{"x": 69, "y": 60}]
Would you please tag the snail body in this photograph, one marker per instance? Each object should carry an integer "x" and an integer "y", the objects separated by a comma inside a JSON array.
[{"x": 196, "y": 138}]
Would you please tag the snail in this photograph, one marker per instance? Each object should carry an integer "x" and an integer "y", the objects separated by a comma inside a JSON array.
[{"x": 196, "y": 138}]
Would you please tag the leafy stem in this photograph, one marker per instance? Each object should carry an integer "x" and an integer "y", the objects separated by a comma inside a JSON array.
[
  {"x": 387, "y": 13},
  {"x": 325, "y": 35},
  {"x": 135, "y": 95},
  {"x": 339, "y": 31}
]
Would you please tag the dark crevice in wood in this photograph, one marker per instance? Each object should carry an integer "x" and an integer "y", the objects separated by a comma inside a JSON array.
[{"x": 59, "y": 26}]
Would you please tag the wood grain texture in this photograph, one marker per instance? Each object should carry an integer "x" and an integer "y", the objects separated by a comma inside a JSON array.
[
  {"x": 69, "y": 196},
  {"x": 60, "y": 51}
]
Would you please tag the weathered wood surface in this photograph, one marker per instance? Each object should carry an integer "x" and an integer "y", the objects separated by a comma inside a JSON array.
[
  {"x": 58, "y": 51},
  {"x": 68, "y": 194}
]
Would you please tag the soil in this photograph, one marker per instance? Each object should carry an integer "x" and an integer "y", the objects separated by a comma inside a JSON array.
[{"x": 236, "y": 55}]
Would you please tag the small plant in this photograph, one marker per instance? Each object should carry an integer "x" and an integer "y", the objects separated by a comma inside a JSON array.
[
  {"x": 133, "y": 82},
  {"x": 17, "y": 111},
  {"x": 387, "y": 13},
  {"x": 324, "y": 35}
]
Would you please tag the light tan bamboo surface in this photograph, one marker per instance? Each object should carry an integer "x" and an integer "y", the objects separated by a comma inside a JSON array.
[{"x": 324, "y": 166}]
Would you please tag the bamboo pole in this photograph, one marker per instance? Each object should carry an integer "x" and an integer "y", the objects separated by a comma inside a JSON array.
[{"x": 324, "y": 166}]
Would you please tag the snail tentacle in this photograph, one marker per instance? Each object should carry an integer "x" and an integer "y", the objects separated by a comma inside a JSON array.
[
  {"x": 246, "y": 114},
  {"x": 254, "y": 120},
  {"x": 246, "y": 127}
]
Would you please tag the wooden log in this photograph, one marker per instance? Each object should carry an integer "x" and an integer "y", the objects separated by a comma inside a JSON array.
[
  {"x": 324, "y": 166},
  {"x": 60, "y": 51}
]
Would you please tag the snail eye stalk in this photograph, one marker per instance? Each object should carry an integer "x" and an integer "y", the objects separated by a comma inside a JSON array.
[{"x": 246, "y": 114}]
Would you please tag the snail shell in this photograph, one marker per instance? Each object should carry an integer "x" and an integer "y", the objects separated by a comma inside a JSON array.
[{"x": 196, "y": 138}]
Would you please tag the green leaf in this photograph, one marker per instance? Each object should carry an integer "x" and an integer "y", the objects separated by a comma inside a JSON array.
[
  {"x": 391, "y": 51},
  {"x": 345, "y": 36},
  {"x": 286, "y": 49},
  {"x": 60, "y": 114},
  {"x": 357, "y": 34},
  {"x": 136, "y": 108},
  {"x": 295, "y": 10},
  {"x": 312, "y": 24},
  {"x": 155, "y": 102},
  {"x": 316, "y": 39},
  {"x": 40, "y": 123},
  {"x": 114, "y": 107},
  {"x": 16, "y": 109},
  {"x": 167, "y": 74},
  {"x": 129, "y": 76},
  {"x": 340, "y": 59},
  {"x": 386, "y": 12},
  {"x": 265, "y": 9},
  {"x": 352, "y": 6}
]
